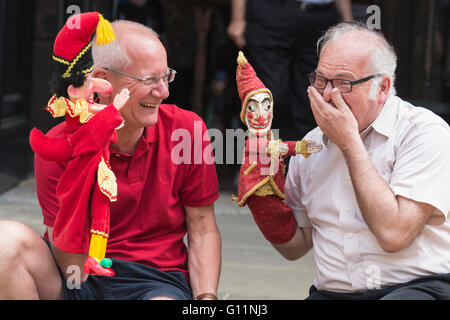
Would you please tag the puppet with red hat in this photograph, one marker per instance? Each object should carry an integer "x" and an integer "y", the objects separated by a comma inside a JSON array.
[
  {"x": 261, "y": 177},
  {"x": 87, "y": 185}
]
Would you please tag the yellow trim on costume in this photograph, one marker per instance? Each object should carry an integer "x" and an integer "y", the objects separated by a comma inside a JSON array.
[
  {"x": 252, "y": 190},
  {"x": 265, "y": 190},
  {"x": 88, "y": 70},
  {"x": 274, "y": 148},
  {"x": 60, "y": 60},
  {"x": 301, "y": 147},
  {"x": 59, "y": 106},
  {"x": 276, "y": 189},
  {"x": 107, "y": 180},
  {"x": 74, "y": 61},
  {"x": 249, "y": 169},
  {"x": 99, "y": 233}
]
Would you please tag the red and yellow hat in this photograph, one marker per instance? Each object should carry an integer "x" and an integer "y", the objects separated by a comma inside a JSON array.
[
  {"x": 248, "y": 83},
  {"x": 72, "y": 47}
]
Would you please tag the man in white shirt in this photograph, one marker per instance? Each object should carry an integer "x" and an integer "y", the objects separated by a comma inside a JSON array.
[{"x": 374, "y": 202}]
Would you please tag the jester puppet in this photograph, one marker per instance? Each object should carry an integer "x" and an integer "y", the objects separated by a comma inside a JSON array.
[
  {"x": 261, "y": 178},
  {"x": 87, "y": 185}
]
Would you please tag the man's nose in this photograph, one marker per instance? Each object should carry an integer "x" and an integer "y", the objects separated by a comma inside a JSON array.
[
  {"x": 161, "y": 89},
  {"x": 327, "y": 92}
]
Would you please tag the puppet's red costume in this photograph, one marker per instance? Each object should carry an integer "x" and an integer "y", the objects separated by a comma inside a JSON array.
[
  {"x": 261, "y": 177},
  {"x": 87, "y": 185}
]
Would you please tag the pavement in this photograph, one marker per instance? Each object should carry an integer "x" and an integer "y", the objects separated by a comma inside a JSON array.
[{"x": 251, "y": 267}]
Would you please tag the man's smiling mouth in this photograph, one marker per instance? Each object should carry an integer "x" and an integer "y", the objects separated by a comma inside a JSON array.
[{"x": 148, "y": 105}]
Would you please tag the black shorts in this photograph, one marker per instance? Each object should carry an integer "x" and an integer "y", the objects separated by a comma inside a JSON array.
[
  {"x": 432, "y": 287},
  {"x": 132, "y": 281}
]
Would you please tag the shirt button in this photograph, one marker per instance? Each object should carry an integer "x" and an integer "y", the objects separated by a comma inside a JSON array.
[
  {"x": 354, "y": 267},
  {"x": 349, "y": 235}
]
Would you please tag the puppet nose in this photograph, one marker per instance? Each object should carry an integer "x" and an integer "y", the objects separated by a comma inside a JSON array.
[
  {"x": 101, "y": 86},
  {"x": 261, "y": 119}
]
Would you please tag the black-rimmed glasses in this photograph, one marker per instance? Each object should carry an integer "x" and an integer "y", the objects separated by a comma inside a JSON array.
[
  {"x": 343, "y": 85},
  {"x": 169, "y": 76}
]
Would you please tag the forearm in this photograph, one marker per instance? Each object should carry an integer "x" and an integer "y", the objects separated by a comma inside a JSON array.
[
  {"x": 375, "y": 199},
  {"x": 204, "y": 262},
  {"x": 68, "y": 261},
  {"x": 238, "y": 10},
  {"x": 298, "y": 246},
  {"x": 344, "y": 7}
]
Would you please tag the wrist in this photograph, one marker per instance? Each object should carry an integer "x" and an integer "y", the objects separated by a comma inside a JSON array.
[
  {"x": 352, "y": 143},
  {"x": 206, "y": 296}
]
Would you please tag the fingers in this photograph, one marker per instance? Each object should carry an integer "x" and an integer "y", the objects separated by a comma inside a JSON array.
[
  {"x": 338, "y": 100},
  {"x": 314, "y": 98}
]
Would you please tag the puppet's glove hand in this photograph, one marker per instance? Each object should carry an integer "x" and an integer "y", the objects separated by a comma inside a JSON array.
[
  {"x": 277, "y": 147},
  {"x": 306, "y": 148},
  {"x": 313, "y": 147},
  {"x": 121, "y": 98}
]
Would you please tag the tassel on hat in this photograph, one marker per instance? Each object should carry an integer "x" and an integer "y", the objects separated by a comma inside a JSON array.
[{"x": 105, "y": 33}]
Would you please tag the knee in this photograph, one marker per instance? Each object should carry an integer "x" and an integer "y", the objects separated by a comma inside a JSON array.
[{"x": 15, "y": 239}]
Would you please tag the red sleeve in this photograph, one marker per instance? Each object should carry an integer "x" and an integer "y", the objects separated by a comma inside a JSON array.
[
  {"x": 201, "y": 187},
  {"x": 291, "y": 146},
  {"x": 47, "y": 174}
]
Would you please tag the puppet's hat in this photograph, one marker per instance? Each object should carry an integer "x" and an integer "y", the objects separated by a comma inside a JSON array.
[
  {"x": 72, "y": 47},
  {"x": 248, "y": 82}
]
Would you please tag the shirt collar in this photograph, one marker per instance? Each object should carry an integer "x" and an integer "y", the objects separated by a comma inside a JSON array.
[
  {"x": 383, "y": 124},
  {"x": 151, "y": 134}
]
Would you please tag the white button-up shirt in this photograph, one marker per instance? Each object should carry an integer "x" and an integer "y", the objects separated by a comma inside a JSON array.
[{"x": 410, "y": 148}]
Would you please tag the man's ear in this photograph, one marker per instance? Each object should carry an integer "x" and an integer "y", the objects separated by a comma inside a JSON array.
[
  {"x": 384, "y": 87},
  {"x": 101, "y": 74}
]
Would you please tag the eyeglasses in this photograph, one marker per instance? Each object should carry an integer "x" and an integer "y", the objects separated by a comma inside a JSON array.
[
  {"x": 168, "y": 77},
  {"x": 343, "y": 85}
]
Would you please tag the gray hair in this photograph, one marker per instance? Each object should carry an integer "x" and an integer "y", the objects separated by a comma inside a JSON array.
[
  {"x": 114, "y": 55},
  {"x": 383, "y": 58}
]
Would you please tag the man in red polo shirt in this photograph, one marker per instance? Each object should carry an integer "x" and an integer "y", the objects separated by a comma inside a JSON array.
[{"x": 159, "y": 198}]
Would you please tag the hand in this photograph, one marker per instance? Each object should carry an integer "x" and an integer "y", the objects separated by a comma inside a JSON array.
[
  {"x": 121, "y": 98},
  {"x": 335, "y": 120},
  {"x": 236, "y": 32}
]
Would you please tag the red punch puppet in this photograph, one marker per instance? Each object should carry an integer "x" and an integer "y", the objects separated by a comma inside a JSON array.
[
  {"x": 261, "y": 177},
  {"x": 88, "y": 185}
]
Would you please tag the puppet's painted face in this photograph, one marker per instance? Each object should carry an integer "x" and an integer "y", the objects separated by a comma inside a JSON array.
[{"x": 259, "y": 114}]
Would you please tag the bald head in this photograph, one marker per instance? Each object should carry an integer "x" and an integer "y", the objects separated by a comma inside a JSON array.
[{"x": 128, "y": 34}]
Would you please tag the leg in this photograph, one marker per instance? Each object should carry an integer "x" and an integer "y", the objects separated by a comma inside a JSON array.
[
  {"x": 426, "y": 290},
  {"x": 28, "y": 269},
  {"x": 268, "y": 50}
]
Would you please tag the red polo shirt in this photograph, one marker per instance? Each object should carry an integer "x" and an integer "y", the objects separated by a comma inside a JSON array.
[{"x": 148, "y": 220}]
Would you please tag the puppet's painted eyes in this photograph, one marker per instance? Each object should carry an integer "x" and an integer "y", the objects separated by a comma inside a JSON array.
[
  {"x": 267, "y": 107},
  {"x": 251, "y": 108}
]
